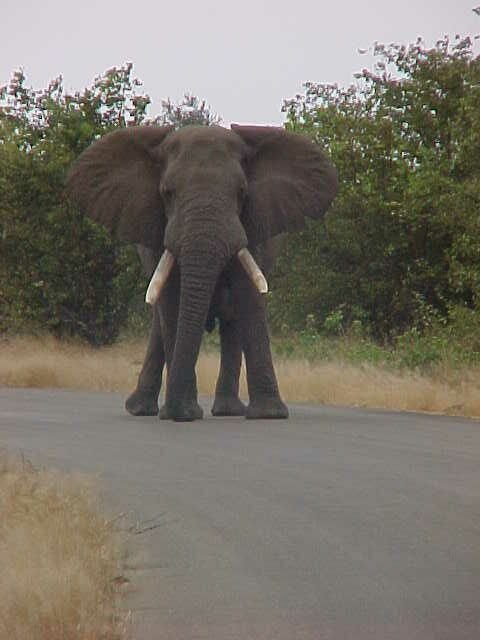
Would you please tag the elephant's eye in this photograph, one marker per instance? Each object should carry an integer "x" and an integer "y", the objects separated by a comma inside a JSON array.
[
  {"x": 242, "y": 192},
  {"x": 166, "y": 192}
]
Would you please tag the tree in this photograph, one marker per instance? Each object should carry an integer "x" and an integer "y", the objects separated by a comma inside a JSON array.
[
  {"x": 191, "y": 110},
  {"x": 401, "y": 243},
  {"x": 58, "y": 271}
]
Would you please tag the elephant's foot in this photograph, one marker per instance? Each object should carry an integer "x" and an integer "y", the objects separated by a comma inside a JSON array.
[
  {"x": 267, "y": 407},
  {"x": 181, "y": 412},
  {"x": 142, "y": 403},
  {"x": 228, "y": 406}
]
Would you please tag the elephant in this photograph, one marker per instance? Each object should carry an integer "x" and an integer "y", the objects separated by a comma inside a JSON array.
[{"x": 205, "y": 206}]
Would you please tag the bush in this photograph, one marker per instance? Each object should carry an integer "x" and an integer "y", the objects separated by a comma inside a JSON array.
[
  {"x": 402, "y": 237},
  {"x": 59, "y": 272}
]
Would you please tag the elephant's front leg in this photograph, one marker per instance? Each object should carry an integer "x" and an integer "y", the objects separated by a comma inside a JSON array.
[
  {"x": 144, "y": 400},
  {"x": 227, "y": 402},
  {"x": 250, "y": 309}
]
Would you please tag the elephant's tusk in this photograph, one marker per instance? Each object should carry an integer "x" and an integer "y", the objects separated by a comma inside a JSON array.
[
  {"x": 251, "y": 267},
  {"x": 160, "y": 276}
]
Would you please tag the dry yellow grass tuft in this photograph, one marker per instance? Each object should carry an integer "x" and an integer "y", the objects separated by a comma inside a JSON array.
[
  {"x": 59, "y": 558},
  {"x": 49, "y": 363},
  {"x": 33, "y": 362},
  {"x": 377, "y": 387}
]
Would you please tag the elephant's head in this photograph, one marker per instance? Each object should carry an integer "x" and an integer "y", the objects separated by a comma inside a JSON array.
[{"x": 201, "y": 195}]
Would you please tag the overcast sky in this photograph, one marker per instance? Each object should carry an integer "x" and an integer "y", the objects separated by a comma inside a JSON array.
[{"x": 243, "y": 57}]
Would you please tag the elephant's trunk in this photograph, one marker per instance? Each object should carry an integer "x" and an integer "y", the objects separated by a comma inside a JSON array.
[{"x": 199, "y": 272}]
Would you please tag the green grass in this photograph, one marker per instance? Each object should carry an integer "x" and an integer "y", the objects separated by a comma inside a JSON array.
[{"x": 419, "y": 353}]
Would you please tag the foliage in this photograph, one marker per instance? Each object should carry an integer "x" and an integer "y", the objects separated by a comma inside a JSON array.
[
  {"x": 452, "y": 344},
  {"x": 59, "y": 272},
  {"x": 397, "y": 258},
  {"x": 401, "y": 243},
  {"x": 190, "y": 110}
]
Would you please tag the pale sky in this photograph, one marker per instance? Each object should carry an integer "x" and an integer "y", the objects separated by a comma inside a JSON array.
[{"x": 244, "y": 58}]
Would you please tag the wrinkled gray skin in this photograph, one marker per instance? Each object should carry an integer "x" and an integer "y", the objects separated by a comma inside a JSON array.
[
  {"x": 143, "y": 401},
  {"x": 204, "y": 193}
]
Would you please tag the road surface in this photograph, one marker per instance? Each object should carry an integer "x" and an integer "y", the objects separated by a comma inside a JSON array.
[{"x": 338, "y": 524}]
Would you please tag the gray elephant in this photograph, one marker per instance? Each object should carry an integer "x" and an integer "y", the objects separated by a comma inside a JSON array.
[{"x": 203, "y": 204}]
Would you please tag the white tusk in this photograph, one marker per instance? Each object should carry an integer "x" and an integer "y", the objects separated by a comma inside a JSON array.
[
  {"x": 251, "y": 267},
  {"x": 160, "y": 276}
]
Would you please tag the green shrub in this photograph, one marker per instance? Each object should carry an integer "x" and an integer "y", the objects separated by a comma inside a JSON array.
[
  {"x": 59, "y": 272},
  {"x": 401, "y": 244}
]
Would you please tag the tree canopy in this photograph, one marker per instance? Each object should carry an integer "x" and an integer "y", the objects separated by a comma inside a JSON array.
[
  {"x": 401, "y": 242},
  {"x": 58, "y": 270},
  {"x": 399, "y": 248}
]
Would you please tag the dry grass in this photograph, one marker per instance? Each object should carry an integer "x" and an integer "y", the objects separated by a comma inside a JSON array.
[
  {"x": 48, "y": 363},
  {"x": 369, "y": 386},
  {"x": 59, "y": 558},
  {"x": 29, "y": 362}
]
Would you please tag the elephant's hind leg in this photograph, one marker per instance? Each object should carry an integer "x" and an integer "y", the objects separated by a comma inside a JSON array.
[
  {"x": 227, "y": 402},
  {"x": 144, "y": 400}
]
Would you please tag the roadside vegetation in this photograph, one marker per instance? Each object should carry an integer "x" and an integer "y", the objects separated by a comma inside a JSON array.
[
  {"x": 387, "y": 285},
  {"x": 61, "y": 559},
  {"x": 311, "y": 368},
  {"x": 396, "y": 258}
]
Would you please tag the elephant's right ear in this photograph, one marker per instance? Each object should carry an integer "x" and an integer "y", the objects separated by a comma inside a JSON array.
[{"x": 116, "y": 182}]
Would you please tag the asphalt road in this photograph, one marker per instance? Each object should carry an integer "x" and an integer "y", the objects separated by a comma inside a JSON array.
[{"x": 338, "y": 524}]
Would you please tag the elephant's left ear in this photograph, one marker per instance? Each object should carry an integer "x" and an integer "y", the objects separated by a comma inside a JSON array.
[{"x": 289, "y": 178}]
